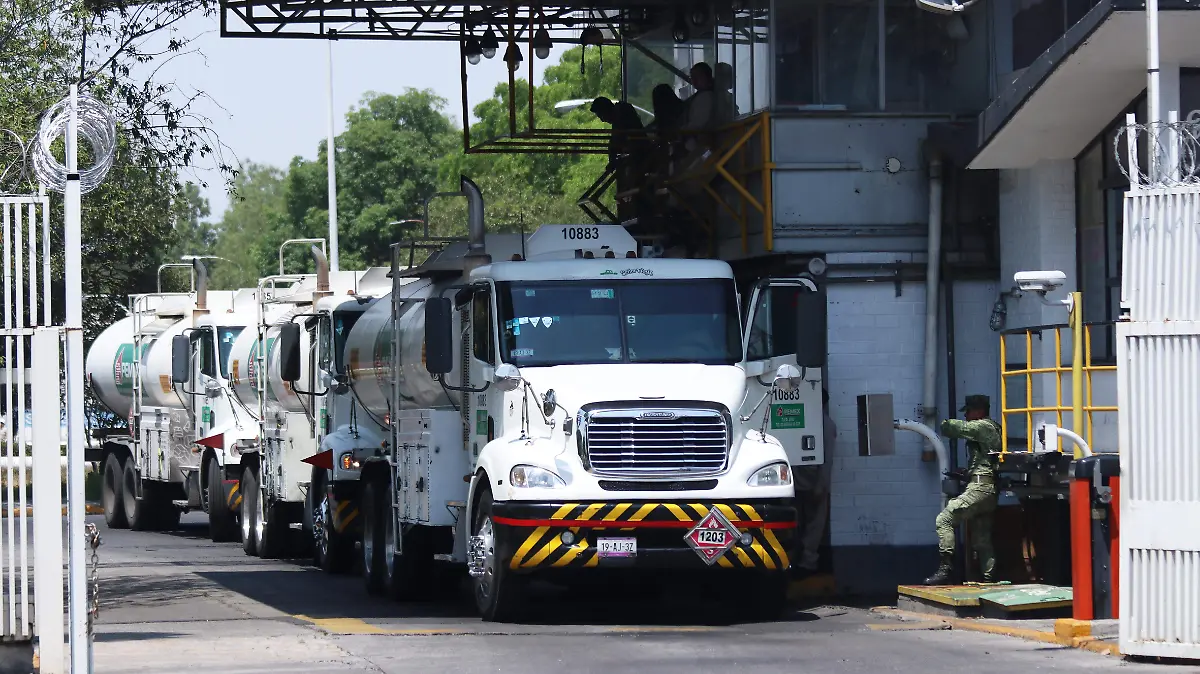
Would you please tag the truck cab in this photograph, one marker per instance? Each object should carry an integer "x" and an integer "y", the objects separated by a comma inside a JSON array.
[{"x": 615, "y": 412}]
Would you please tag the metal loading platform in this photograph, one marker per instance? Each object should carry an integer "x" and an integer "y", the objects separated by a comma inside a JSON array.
[{"x": 992, "y": 600}]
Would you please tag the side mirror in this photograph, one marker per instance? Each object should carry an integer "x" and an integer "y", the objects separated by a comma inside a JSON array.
[
  {"x": 507, "y": 377},
  {"x": 811, "y": 330},
  {"x": 787, "y": 377},
  {"x": 289, "y": 351},
  {"x": 212, "y": 389},
  {"x": 549, "y": 403},
  {"x": 439, "y": 329},
  {"x": 181, "y": 359}
]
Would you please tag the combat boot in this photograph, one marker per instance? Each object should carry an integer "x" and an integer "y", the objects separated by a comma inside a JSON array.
[{"x": 945, "y": 572}]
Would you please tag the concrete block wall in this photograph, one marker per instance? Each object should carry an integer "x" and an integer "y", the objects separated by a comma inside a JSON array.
[
  {"x": 1037, "y": 232},
  {"x": 883, "y": 507}
]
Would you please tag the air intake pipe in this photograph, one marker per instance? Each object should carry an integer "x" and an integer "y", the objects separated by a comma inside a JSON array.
[
  {"x": 476, "y": 247},
  {"x": 322, "y": 265},
  {"x": 201, "y": 287}
]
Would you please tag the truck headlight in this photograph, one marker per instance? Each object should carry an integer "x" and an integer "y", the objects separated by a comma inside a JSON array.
[
  {"x": 349, "y": 462},
  {"x": 774, "y": 475},
  {"x": 532, "y": 476}
]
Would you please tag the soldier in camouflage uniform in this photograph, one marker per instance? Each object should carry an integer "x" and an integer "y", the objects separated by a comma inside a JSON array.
[{"x": 977, "y": 503}]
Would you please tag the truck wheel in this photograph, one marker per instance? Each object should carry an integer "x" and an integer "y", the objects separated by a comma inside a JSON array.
[
  {"x": 373, "y": 536},
  {"x": 222, "y": 526},
  {"x": 409, "y": 576},
  {"x": 497, "y": 592},
  {"x": 332, "y": 552},
  {"x": 251, "y": 510},
  {"x": 137, "y": 510},
  {"x": 272, "y": 529},
  {"x": 111, "y": 496}
]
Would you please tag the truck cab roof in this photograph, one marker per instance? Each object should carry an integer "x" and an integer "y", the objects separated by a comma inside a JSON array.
[{"x": 604, "y": 269}]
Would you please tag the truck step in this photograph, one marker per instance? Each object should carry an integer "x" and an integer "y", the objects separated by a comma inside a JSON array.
[
  {"x": 295, "y": 526},
  {"x": 456, "y": 504},
  {"x": 443, "y": 557},
  {"x": 180, "y": 503}
]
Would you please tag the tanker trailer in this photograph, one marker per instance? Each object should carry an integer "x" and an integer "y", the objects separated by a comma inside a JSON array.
[
  {"x": 144, "y": 485},
  {"x": 277, "y": 473}
]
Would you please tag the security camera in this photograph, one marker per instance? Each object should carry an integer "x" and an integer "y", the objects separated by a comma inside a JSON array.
[{"x": 1040, "y": 282}]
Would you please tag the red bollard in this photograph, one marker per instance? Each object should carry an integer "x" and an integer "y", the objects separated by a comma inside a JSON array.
[{"x": 1081, "y": 549}]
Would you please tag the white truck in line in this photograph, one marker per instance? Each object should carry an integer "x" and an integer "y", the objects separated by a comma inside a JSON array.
[
  {"x": 560, "y": 403},
  {"x": 292, "y": 403},
  {"x": 154, "y": 468}
]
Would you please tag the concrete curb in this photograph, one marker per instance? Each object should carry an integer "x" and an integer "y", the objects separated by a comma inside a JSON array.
[{"x": 1070, "y": 633}]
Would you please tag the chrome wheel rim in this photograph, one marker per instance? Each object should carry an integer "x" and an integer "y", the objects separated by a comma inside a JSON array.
[
  {"x": 485, "y": 583},
  {"x": 246, "y": 516},
  {"x": 259, "y": 524},
  {"x": 368, "y": 541},
  {"x": 320, "y": 520}
]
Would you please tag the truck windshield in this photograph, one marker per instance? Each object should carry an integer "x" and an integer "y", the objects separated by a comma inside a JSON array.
[
  {"x": 342, "y": 322},
  {"x": 619, "y": 321},
  {"x": 225, "y": 337}
]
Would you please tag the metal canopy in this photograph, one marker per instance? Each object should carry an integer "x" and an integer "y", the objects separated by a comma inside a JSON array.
[{"x": 425, "y": 20}]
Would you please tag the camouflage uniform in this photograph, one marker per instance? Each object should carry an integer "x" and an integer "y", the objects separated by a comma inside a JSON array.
[{"x": 977, "y": 503}]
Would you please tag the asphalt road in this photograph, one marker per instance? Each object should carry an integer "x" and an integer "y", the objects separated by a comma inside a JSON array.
[{"x": 176, "y": 602}]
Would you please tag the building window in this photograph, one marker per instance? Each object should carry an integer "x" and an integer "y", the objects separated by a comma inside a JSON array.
[
  {"x": 827, "y": 54},
  {"x": 1037, "y": 24}
]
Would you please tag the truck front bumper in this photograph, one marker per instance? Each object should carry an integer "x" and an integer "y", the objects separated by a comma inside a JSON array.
[{"x": 530, "y": 535}]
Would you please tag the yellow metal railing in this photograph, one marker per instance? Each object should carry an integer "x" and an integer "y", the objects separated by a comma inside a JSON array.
[
  {"x": 746, "y": 142},
  {"x": 1087, "y": 369}
]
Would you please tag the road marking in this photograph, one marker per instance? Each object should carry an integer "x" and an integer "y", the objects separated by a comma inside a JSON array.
[
  {"x": 359, "y": 626},
  {"x": 884, "y": 627}
]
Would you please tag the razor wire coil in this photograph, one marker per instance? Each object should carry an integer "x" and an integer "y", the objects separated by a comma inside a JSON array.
[
  {"x": 97, "y": 125},
  {"x": 1165, "y": 153}
]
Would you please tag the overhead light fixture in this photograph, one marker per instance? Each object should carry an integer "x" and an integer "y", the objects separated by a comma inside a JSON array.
[
  {"x": 591, "y": 36},
  {"x": 512, "y": 55},
  {"x": 489, "y": 44},
  {"x": 542, "y": 43},
  {"x": 473, "y": 51}
]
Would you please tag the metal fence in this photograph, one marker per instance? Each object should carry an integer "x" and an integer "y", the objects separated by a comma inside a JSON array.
[
  {"x": 1158, "y": 396},
  {"x": 31, "y": 541}
]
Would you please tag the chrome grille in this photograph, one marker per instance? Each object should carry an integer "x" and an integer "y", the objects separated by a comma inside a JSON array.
[{"x": 657, "y": 442}]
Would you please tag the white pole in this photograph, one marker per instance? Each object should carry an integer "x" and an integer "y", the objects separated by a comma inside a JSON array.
[
  {"x": 47, "y": 531},
  {"x": 333, "y": 226},
  {"x": 1153, "y": 114},
  {"x": 72, "y": 239}
]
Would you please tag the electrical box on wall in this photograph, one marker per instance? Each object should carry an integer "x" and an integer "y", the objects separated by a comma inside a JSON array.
[{"x": 876, "y": 425}]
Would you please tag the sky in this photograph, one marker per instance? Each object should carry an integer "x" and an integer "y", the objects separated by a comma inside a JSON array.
[{"x": 270, "y": 95}]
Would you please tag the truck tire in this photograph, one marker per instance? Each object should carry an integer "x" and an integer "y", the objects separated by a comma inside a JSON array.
[
  {"x": 251, "y": 512},
  {"x": 498, "y": 592},
  {"x": 272, "y": 532},
  {"x": 222, "y": 525},
  {"x": 409, "y": 576},
  {"x": 373, "y": 512},
  {"x": 332, "y": 551},
  {"x": 111, "y": 497},
  {"x": 139, "y": 511}
]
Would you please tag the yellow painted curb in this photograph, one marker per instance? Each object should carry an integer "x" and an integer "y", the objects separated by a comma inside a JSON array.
[
  {"x": 1086, "y": 643},
  {"x": 1069, "y": 628}
]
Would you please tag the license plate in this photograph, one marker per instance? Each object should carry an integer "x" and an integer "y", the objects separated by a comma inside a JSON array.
[{"x": 617, "y": 547}]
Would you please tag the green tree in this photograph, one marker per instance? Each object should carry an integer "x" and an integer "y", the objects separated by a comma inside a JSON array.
[
  {"x": 194, "y": 235},
  {"x": 252, "y": 228}
]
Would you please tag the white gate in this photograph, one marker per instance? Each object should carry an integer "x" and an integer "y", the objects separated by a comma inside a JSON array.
[
  {"x": 1158, "y": 391},
  {"x": 31, "y": 540}
]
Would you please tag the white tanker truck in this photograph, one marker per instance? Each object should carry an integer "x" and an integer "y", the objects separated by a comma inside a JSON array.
[
  {"x": 153, "y": 469},
  {"x": 577, "y": 407},
  {"x": 292, "y": 418}
]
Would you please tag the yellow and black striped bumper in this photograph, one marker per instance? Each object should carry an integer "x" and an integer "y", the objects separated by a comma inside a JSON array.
[{"x": 533, "y": 533}]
